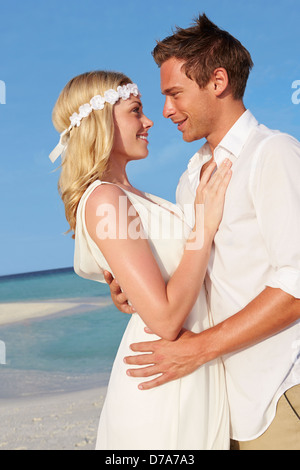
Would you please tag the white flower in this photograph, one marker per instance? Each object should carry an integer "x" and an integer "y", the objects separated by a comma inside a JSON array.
[
  {"x": 124, "y": 92},
  {"x": 85, "y": 110},
  {"x": 97, "y": 102},
  {"x": 111, "y": 96},
  {"x": 75, "y": 120},
  {"x": 133, "y": 89}
]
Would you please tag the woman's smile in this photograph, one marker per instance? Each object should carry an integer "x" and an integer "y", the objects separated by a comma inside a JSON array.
[{"x": 143, "y": 137}]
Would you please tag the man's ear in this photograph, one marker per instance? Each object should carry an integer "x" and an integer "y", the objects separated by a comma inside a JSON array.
[{"x": 220, "y": 81}]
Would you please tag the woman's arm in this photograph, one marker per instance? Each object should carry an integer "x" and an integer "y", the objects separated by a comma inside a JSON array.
[{"x": 163, "y": 307}]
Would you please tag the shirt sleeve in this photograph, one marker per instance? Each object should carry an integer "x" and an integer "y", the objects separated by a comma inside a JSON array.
[{"x": 276, "y": 197}]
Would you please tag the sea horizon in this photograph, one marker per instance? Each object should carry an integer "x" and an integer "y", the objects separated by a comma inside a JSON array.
[
  {"x": 57, "y": 283},
  {"x": 38, "y": 272}
]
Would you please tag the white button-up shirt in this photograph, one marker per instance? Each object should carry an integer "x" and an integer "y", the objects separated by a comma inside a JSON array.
[{"x": 257, "y": 245}]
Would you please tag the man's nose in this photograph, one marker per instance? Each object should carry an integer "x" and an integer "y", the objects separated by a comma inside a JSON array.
[{"x": 168, "y": 110}]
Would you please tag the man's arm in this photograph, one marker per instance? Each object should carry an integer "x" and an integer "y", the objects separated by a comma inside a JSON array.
[{"x": 269, "y": 313}]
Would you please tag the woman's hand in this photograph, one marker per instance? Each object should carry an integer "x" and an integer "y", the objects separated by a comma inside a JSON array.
[{"x": 210, "y": 196}]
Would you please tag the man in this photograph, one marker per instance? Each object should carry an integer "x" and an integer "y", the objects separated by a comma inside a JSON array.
[{"x": 253, "y": 279}]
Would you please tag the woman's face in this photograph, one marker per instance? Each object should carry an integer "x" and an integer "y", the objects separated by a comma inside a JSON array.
[{"x": 131, "y": 130}]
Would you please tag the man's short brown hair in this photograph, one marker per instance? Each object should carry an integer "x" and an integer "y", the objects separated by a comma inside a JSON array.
[{"x": 205, "y": 47}]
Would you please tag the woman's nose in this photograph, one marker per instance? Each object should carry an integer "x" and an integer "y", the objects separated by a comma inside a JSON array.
[{"x": 147, "y": 123}]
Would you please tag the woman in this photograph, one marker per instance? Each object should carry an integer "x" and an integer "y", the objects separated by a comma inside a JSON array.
[{"x": 159, "y": 262}]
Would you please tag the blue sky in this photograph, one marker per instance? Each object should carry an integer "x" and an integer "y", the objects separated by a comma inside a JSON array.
[{"x": 45, "y": 43}]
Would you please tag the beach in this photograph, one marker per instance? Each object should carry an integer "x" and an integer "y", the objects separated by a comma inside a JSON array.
[
  {"x": 31, "y": 417},
  {"x": 13, "y": 312},
  {"x": 59, "y": 352},
  {"x": 63, "y": 421}
]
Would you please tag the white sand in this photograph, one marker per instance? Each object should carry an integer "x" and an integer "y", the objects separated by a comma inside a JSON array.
[
  {"x": 63, "y": 420},
  {"x": 66, "y": 421},
  {"x": 19, "y": 311}
]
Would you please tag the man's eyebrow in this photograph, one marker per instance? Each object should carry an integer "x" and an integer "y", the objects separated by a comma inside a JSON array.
[{"x": 171, "y": 90}]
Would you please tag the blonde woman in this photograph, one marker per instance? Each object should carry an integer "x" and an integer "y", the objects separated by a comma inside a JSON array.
[{"x": 159, "y": 262}]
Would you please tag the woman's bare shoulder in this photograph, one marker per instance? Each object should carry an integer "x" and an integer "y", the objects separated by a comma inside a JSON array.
[{"x": 104, "y": 194}]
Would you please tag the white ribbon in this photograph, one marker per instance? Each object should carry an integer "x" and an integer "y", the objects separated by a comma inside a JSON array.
[{"x": 61, "y": 146}]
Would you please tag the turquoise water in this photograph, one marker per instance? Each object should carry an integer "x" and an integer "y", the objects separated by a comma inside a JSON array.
[
  {"x": 54, "y": 284},
  {"x": 66, "y": 345}
]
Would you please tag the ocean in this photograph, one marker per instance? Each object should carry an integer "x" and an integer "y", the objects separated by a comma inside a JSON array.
[{"x": 69, "y": 350}]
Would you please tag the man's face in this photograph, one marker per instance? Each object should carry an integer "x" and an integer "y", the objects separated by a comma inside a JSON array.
[{"x": 190, "y": 107}]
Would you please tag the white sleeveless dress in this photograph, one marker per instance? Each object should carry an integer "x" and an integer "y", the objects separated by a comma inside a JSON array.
[{"x": 186, "y": 414}]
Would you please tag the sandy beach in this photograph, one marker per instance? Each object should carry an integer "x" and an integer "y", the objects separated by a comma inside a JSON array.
[
  {"x": 66, "y": 421},
  {"x": 12, "y": 312},
  {"x": 31, "y": 417}
]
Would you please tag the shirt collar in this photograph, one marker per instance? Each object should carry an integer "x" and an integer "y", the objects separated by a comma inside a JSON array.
[{"x": 233, "y": 142}]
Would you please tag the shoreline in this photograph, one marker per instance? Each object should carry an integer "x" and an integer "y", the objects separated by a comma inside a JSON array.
[
  {"x": 19, "y": 384},
  {"x": 49, "y": 410},
  {"x": 16, "y": 312}
]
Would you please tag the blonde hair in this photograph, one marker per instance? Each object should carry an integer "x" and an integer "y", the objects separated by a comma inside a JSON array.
[{"x": 87, "y": 155}]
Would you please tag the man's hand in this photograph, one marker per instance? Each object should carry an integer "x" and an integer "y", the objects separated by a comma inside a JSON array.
[
  {"x": 269, "y": 313},
  {"x": 118, "y": 297},
  {"x": 170, "y": 359}
]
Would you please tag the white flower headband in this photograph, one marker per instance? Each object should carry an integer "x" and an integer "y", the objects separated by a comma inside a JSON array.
[{"x": 96, "y": 103}]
